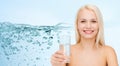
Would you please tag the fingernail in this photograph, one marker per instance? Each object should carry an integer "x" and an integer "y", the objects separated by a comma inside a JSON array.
[{"x": 65, "y": 61}]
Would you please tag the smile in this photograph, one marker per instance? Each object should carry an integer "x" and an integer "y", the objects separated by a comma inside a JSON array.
[{"x": 88, "y": 31}]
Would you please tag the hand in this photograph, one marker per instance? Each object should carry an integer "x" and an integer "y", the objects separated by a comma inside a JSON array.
[{"x": 58, "y": 59}]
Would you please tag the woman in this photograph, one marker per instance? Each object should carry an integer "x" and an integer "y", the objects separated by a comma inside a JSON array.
[{"x": 90, "y": 49}]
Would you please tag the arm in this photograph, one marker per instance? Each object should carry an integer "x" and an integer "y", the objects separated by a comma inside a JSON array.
[{"x": 111, "y": 56}]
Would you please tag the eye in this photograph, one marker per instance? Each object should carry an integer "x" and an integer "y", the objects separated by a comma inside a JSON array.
[
  {"x": 82, "y": 21},
  {"x": 94, "y": 21}
]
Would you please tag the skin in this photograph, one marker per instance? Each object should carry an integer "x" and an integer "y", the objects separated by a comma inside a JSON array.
[{"x": 86, "y": 53}]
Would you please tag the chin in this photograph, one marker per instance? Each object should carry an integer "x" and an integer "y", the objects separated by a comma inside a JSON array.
[{"x": 89, "y": 37}]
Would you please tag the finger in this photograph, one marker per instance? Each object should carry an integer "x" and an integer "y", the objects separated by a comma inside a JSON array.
[
  {"x": 58, "y": 59},
  {"x": 61, "y": 47},
  {"x": 59, "y": 56},
  {"x": 59, "y": 52},
  {"x": 53, "y": 61}
]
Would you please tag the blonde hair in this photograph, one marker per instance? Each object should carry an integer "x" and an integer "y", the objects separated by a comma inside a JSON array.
[{"x": 100, "y": 35}]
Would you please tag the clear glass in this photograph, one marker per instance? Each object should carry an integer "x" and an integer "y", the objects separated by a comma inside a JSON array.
[{"x": 64, "y": 44}]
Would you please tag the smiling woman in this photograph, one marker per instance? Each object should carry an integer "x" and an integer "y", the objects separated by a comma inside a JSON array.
[
  {"x": 90, "y": 48},
  {"x": 87, "y": 24}
]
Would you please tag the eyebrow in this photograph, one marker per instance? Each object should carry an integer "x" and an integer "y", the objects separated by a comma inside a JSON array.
[
  {"x": 90, "y": 19},
  {"x": 94, "y": 19}
]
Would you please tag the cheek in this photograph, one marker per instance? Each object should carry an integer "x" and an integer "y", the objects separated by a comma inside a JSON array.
[
  {"x": 79, "y": 27},
  {"x": 96, "y": 27}
]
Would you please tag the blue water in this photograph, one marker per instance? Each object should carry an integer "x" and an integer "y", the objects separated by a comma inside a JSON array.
[{"x": 28, "y": 45}]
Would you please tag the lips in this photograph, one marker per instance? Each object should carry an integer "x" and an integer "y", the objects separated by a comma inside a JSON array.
[{"x": 88, "y": 31}]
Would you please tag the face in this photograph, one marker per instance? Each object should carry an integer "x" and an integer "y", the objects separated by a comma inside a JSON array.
[{"x": 87, "y": 24}]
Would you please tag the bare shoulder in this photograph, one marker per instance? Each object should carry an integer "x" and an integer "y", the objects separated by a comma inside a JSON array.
[
  {"x": 109, "y": 49},
  {"x": 111, "y": 56}
]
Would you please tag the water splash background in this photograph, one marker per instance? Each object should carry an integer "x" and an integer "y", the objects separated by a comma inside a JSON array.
[{"x": 28, "y": 45}]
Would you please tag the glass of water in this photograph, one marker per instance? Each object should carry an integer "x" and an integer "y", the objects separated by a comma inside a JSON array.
[{"x": 64, "y": 45}]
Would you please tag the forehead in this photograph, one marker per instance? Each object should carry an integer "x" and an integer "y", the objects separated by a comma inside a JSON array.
[{"x": 86, "y": 14}]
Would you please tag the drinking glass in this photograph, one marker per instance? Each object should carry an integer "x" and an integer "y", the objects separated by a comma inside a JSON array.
[{"x": 64, "y": 45}]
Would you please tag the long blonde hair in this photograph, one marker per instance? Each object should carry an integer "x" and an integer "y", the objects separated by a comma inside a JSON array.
[{"x": 100, "y": 35}]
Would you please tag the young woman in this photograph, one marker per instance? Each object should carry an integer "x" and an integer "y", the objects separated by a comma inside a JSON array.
[{"x": 90, "y": 49}]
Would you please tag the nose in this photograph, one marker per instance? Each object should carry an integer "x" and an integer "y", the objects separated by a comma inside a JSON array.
[{"x": 88, "y": 25}]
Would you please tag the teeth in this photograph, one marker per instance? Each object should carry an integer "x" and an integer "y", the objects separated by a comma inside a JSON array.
[{"x": 88, "y": 31}]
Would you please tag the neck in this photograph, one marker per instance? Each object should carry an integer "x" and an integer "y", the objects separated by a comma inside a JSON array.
[{"x": 87, "y": 43}]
